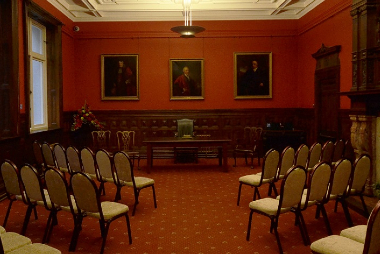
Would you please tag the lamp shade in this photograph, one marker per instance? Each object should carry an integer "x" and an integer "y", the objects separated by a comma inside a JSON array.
[{"x": 187, "y": 31}]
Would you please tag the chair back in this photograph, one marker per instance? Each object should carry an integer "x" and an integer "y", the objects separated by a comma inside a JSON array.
[
  {"x": 185, "y": 127},
  {"x": 73, "y": 158},
  {"x": 362, "y": 167},
  {"x": 123, "y": 167},
  {"x": 88, "y": 161},
  {"x": 372, "y": 243},
  {"x": 286, "y": 161},
  {"x": 103, "y": 160},
  {"x": 101, "y": 139},
  {"x": 341, "y": 178},
  {"x": 57, "y": 187},
  {"x": 10, "y": 176},
  {"x": 318, "y": 182},
  {"x": 292, "y": 187},
  {"x": 125, "y": 140},
  {"x": 327, "y": 151},
  {"x": 37, "y": 152},
  {"x": 338, "y": 150},
  {"x": 32, "y": 184},
  {"x": 85, "y": 192},
  {"x": 314, "y": 155},
  {"x": 301, "y": 156},
  {"x": 48, "y": 155},
  {"x": 60, "y": 156},
  {"x": 270, "y": 165}
]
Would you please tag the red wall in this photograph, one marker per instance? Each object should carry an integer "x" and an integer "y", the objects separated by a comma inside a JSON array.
[{"x": 291, "y": 42}]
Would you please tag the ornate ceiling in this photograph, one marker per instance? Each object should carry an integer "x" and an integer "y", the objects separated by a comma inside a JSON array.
[{"x": 172, "y": 10}]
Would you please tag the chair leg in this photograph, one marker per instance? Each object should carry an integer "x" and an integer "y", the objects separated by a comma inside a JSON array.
[
  {"x": 249, "y": 225},
  {"x": 77, "y": 228},
  {"x": 256, "y": 193},
  {"x": 154, "y": 197},
  {"x": 104, "y": 235},
  {"x": 252, "y": 160},
  {"x": 336, "y": 206},
  {"x": 277, "y": 236},
  {"x": 239, "y": 192},
  {"x": 26, "y": 220},
  {"x": 49, "y": 226},
  {"x": 118, "y": 193},
  {"x": 364, "y": 205},
  {"x": 8, "y": 211},
  {"x": 325, "y": 218},
  {"x": 137, "y": 193},
  {"x": 235, "y": 159},
  {"x": 303, "y": 229},
  {"x": 347, "y": 213},
  {"x": 129, "y": 228}
]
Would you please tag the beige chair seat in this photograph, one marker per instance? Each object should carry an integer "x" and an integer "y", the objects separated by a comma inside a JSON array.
[
  {"x": 141, "y": 182},
  {"x": 253, "y": 179},
  {"x": 12, "y": 241},
  {"x": 356, "y": 233},
  {"x": 268, "y": 206},
  {"x": 335, "y": 244},
  {"x": 2, "y": 230},
  {"x": 110, "y": 210},
  {"x": 36, "y": 248}
]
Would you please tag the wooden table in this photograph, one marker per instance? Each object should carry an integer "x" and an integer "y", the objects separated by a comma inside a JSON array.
[{"x": 221, "y": 143}]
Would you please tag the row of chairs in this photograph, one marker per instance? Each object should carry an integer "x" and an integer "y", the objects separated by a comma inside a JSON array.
[
  {"x": 101, "y": 166},
  {"x": 325, "y": 181},
  {"x": 125, "y": 142},
  {"x": 361, "y": 239},
  {"x": 13, "y": 243},
  {"x": 81, "y": 198}
]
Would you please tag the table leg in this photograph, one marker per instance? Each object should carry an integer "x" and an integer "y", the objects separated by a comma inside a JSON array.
[
  {"x": 225, "y": 157},
  {"x": 149, "y": 157}
]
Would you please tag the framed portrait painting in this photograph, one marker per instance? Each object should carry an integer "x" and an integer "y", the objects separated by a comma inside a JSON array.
[
  {"x": 253, "y": 75},
  {"x": 186, "y": 79},
  {"x": 120, "y": 77}
]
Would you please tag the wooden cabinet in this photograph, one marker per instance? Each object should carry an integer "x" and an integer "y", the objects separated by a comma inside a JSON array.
[{"x": 279, "y": 139}]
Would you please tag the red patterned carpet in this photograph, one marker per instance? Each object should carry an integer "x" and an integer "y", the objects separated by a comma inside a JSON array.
[{"x": 196, "y": 213}]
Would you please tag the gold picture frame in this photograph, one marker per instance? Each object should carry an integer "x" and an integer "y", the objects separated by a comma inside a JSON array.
[
  {"x": 253, "y": 75},
  {"x": 120, "y": 77},
  {"x": 186, "y": 79}
]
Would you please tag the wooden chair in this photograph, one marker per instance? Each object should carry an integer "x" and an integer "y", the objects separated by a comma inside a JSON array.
[
  {"x": 101, "y": 139},
  {"x": 125, "y": 177},
  {"x": 185, "y": 129},
  {"x": 327, "y": 152},
  {"x": 13, "y": 187},
  {"x": 301, "y": 156},
  {"x": 73, "y": 159},
  {"x": 267, "y": 176},
  {"x": 314, "y": 156},
  {"x": 249, "y": 145},
  {"x": 35, "y": 194},
  {"x": 316, "y": 191},
  {"x": 59, "y": 194},
  {"x": 290, "y": 198},
  {"x": 61, "y": 159},
  {"x": 361, "y": 167},
  {"x": 87, "y": 197},
  {"x": 105, "y": 169},
  {"x": 126, "y": 143},
  {"x": 347, "y": 242}
]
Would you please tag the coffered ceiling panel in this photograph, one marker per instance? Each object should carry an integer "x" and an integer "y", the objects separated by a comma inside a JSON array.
[{"x": 173, "y": 10}]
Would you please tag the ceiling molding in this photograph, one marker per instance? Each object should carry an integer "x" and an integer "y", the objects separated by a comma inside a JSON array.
[{"x": 172, "y": 10}]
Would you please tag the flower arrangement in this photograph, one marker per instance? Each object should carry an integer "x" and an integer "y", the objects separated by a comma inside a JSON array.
[{"x": 85, "y": 117}]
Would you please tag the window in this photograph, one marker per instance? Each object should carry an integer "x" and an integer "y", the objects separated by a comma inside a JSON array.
[
  {"x": 43, "y": 69},
  {"x": 38, "y": 76}
]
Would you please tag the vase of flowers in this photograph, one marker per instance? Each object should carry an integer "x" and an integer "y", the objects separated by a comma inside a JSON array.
[{"x": 84, "y": 122}]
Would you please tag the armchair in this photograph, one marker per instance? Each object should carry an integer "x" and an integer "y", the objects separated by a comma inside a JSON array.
[{"x": 251, "y": 144}]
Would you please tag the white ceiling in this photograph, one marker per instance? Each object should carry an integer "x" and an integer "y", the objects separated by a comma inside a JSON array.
[{"x": 172, "y": 10}]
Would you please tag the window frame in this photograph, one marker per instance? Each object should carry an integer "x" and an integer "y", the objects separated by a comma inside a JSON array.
[{"x": 53, "y": 66}]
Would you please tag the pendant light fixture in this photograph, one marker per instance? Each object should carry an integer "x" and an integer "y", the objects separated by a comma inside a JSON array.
[{"x": 188, "y": 30}]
